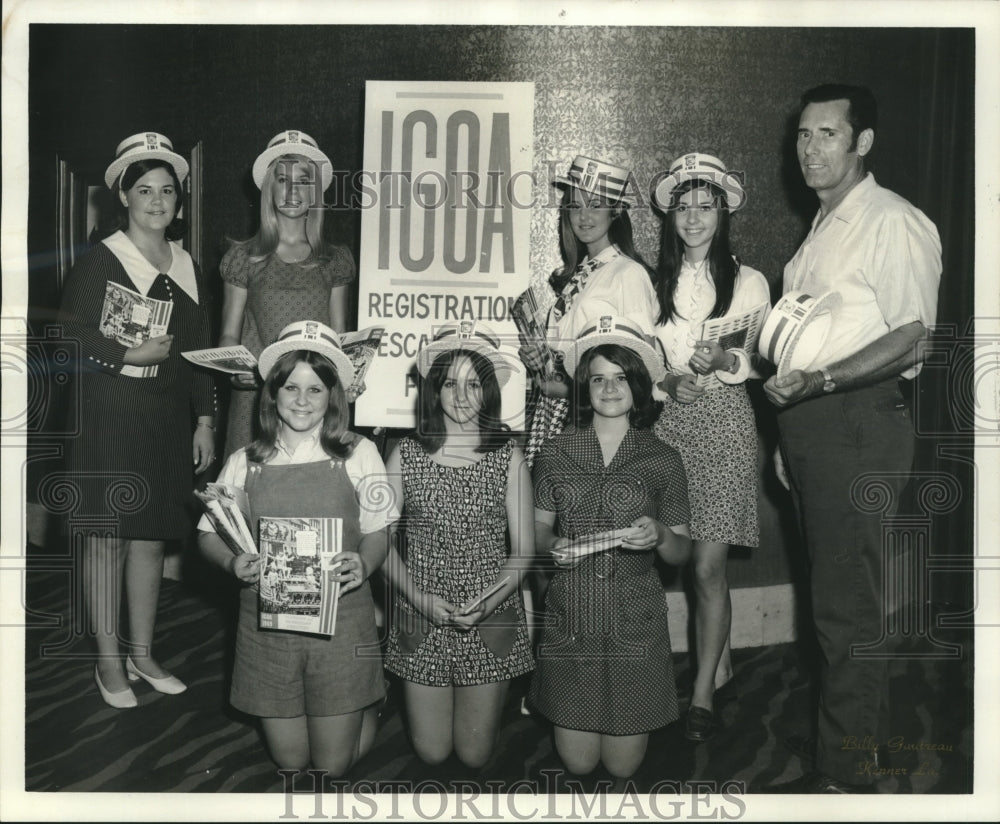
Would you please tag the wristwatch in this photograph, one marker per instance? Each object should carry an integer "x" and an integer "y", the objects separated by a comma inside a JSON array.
[{"x": 828, "y": 384}]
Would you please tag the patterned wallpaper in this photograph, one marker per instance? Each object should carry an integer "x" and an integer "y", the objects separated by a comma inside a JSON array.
[{"x": 636, "y": 96}]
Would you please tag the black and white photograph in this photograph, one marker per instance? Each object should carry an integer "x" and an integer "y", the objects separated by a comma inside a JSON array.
[{"x": 665, "y": 490}]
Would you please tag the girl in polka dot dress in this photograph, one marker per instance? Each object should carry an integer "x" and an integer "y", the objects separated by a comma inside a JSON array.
[
  {"x": 466, "y": 495},
  {"x": 604, "y": 674},
  {"x": 285, "y": 273}
]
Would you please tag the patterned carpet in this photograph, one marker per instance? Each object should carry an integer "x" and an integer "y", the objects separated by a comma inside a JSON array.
[{"x": 196, "y": 743}]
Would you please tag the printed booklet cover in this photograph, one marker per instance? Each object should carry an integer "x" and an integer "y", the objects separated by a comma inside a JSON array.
[
  {"x": 131, "y": 319},
  {"x": 229, "y": 511},
  {"x": 297, "y": 589},
  {"x": 234, "y": 360},
  {"x": 734, "y": 332},
  {"x": 530, "y": 321},
  {"x": 360, "y": 347}
]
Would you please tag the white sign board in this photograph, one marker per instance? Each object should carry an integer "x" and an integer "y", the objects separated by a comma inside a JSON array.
[{"x": 446, "y": 199}]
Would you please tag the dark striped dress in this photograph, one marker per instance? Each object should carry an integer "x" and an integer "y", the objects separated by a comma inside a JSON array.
[{"x": 131, "y": 460}]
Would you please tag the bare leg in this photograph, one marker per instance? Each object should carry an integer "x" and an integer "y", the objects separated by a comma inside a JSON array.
[
  {"x": 430, "y": 711},
  {"x": 101, "y": 567},
  {"x": 477, "y": 721},
  {"x": 335, "y": 741},
  {"x": 713, "y": 616},
  {"x": 580, "y": 751},
  {"x": 288, "y": 741},
  {"x": 622, "y": 754},
  {"x": 143, "y": 574},
  {"x": 724, "y": 672},
  {"x": 369, "y": 727}
]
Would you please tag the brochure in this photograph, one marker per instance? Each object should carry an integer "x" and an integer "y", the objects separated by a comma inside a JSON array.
[
  {"x": 593, "y": 543},
  {"x": 234, "y": 360},
  {"x": 229, "y": 511},
  {"x": 530, "y": 322},
  {"x": 482, "y": 596},
  {"x": 131, "y": 318},
  {"x": 360, "y": 347},
  {"x": 298, "y": 592},
  {"x": 734, "y": 332}
]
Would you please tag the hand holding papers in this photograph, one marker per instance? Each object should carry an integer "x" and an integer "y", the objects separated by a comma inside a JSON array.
[
  {"x": 586, "y": 545},
  {"x": 733, "y": 332},
  {"x": 475, "y": 602},
  {"x": 360, "y": 347},
  {"x": 229, "y": 511},
  {"x": 530, "y": 322}
]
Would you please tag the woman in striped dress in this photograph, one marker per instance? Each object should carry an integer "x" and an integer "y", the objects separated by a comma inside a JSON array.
[{"x": 146, "y": 416}]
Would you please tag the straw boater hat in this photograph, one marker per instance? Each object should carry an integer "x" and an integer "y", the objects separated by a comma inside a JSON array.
[
  {"x": 475, "y": 336},
  {"x": 698, "y": 166},
  {"x": 292, "y": 142},
  {"x": 620, "y": 331},
  {"x": 312, "y": 336},
  {"x": 143, "y": 146},
  {"x": 796, "y": 329},
  {"x": 597, "y": 177}
]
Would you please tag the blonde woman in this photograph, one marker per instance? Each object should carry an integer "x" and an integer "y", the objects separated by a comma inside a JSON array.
[{"x": 287, "y": 271}]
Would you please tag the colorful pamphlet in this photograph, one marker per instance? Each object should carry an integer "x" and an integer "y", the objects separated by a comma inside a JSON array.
[
  {"x": 229, "y": 511},
  {"x": 298, "y": 592},
  {"x": 131, "y": 319},
  {"x": 734, "y": 332},
  {"x": 360, "y": 347},
  {"x": 235, "y": 360},
  {"x": 593, "y": 543},
  {"x": 530, "y": 322}
]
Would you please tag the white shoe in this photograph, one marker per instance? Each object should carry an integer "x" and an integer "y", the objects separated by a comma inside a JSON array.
[
  {"x": 121, "y": 700},
  {"x": 170, "y": 685}
]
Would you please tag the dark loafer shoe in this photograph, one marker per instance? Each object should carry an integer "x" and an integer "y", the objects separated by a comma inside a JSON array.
[
  {"x": 700, "y": 725},
  {"x": 802, "y": 746},
  {"x": 816, "y": 782}
]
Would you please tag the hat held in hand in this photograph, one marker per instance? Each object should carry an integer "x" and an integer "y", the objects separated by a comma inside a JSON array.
[{"x": 796, "y": 330}]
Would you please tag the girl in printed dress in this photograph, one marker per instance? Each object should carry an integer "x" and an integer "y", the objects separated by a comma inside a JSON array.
[
  {"x": 707, "y": 415},
  {"x": 458, "y": 634}
]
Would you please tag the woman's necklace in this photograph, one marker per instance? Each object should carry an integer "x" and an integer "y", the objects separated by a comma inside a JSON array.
[
  {"x": 160, "y": 257},
  {"x": 295, "y": 251}
]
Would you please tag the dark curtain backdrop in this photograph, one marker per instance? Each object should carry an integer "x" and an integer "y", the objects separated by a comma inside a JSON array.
[{"x": 636, "y": 96}]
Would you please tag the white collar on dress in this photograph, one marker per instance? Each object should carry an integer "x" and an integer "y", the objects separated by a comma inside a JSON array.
[{"x": 143, "y": 273}]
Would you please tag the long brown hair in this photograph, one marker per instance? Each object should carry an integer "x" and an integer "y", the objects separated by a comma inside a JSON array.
[
  {"x": 722, "y": 266},
  {"x": 573, "y": 251},
  {"x": 334, "y": 436}
]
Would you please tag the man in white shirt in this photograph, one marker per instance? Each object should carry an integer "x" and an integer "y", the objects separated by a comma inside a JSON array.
[{"x": 847, "y": 417}]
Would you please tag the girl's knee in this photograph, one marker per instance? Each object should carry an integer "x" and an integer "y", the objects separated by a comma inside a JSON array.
[
  {"x": 290, "y": 760},
  {"x": 622, "y": 769},
  {"x": 334, "y": 766},
  {"x": 473, "y": 753},
  {"x": 709, "y": 575},
  {"x": 579, "y": 763},
  {"x": 430, "y": 754}
]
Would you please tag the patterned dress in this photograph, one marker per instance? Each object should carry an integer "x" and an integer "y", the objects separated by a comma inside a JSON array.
[
  {"x": 604, "y": 661},
  {"x": 278, "y": 294},
  {"x": 717, "y": 434},
  {"x": 456, "y": 528}
]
